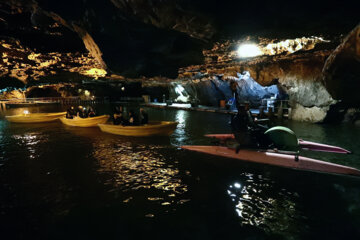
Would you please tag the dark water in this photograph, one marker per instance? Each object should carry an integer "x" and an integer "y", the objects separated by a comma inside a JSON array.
[{"x": 59, "y": 182}]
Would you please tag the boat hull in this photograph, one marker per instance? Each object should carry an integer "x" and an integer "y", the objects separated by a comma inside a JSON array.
[
  {"x": 35, "y": 117},
  {"x": 305, "y": 145},
  {"x": 152, "y": 129},
  {"x": 30, "y": 104},
  {"x": 85, "y": 122},
  {"x": 276, "y": 159}
]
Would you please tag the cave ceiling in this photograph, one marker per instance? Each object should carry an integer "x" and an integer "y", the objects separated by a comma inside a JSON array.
[{"x": 156, "y": 37}]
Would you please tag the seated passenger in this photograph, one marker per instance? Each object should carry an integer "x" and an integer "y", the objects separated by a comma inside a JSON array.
[
  {"x": 118, "y": 116},
  {"x": 71, "y": 113},
  {"x": 144, "y": 118},
  {"x": 81, "y": 112},
  {"x": 133, "y": 119},
  {"x": 247, "y": 132},
  {"x": 91, "y": 112}
]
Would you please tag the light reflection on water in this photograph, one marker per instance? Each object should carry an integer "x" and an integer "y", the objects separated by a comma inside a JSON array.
[
  {"x": 258, "y": 202},
  {"x": 180, "y": 135},
  {"x": 154, "y": 176},
  {"x": 138, "y": 167},
  {"x": 29, "y": 142},
  {"x": 135, "y": 167}
]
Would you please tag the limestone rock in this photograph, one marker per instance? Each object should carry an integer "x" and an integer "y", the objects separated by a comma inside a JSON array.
[
  {"x": 18, "y": 94},
  {"x": 251, "y": 91},
  {"x": 342, "y": 70},
  {"x": 308, "y": 114},
  {"x": 297, "y": 75},
  {"x": 306, "y": 93}
]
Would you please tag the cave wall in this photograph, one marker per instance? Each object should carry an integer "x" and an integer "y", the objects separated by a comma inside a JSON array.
[
  {"x": 151, "y": 38},
  {"x": 46, "y": 41},
  {"x": 297, "y": 75},
  {"x": 341, "y": 72}
]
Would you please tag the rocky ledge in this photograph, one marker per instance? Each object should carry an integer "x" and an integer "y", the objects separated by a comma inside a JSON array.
[{"x": 320, "y": 84}]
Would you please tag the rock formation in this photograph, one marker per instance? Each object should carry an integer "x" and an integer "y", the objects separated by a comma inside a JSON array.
[
  {"x": 298, "y": 75},
  {"x": 161, "y": 44},
  {"x": 342, "y": 70}
]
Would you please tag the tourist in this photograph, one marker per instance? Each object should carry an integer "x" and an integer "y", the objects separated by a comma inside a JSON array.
[
  {"x": 247, "y": 132},
  {"x": 241, "y": 125},
  {"x": 70, "y": 113},
  {"x": 133, "y": 119},
  {"x": 81, "y": 112},
  {"x": 144, "y": 118},
  {"x": 91, "y": 112},
  {"x": 118, "y": 116}
]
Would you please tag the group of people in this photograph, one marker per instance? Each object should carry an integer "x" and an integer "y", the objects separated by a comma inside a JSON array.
[
  {"x": 118, "y": 117},
  {"x": 81, "y": 112},
  {"x": 132, "y": 120}
]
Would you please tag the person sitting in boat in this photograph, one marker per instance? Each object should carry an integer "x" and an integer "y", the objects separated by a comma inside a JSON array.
[
  {"x": 118, "y": 116},
  {"x": 91, "y": 112},
  {"x": 82, "y": 112},
  {"x": 133, "y": 119},
  {"x": 144, "y": 118},
  {"x": 241, "y": 124},
  {"x": 71, "y": 113},
  {"x": 247, "y": 132}
]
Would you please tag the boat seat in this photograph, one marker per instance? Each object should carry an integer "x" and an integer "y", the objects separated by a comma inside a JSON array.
[{"x": 283, "y": 138}]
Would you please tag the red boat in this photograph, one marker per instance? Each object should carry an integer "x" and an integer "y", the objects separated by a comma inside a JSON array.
[
  {"x": 278, "y": 159},
  {"x": 305, "y": 145}
]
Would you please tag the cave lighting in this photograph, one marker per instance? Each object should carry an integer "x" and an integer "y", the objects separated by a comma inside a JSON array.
[
  {"x": 26, "y": 112},
  {"x": 248, "y": 50},
  {"x": 87, "y": 93},
  {"x": 179, "y": 91},
  {"x": 292, "y": 45},
  {"x": 237, "y": 185},
  {"x": 95, "y": 72}
]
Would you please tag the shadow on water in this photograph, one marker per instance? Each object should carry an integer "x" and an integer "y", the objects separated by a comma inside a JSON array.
[{"x": 62, "y": 182}]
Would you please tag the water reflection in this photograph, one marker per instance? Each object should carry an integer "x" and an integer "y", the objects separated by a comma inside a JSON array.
[
  {"x": 258, "y": 202},
  {"x": 2, "y": 141},
  {"x": 29, "y": 141},
  {"x": 180, "y": 136},
  {"x": 103, "y": 180},
  {"x": 22, "y": 110},
  {"x": 135, "y": 167}
]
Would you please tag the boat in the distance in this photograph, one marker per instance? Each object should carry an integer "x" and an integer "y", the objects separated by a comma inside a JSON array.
[
  {"x": 160, "y": 128},
  {"x": 35, "y": 117},
  {"x": 30, "y": 104},
  {"x": 85, "y": 122}
]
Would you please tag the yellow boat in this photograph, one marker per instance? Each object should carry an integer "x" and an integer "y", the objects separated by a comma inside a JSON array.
[
  {"x": 85, "y": 122},
  {"x": 162, "y": 128},
  {"x": 35, "y": 117}
]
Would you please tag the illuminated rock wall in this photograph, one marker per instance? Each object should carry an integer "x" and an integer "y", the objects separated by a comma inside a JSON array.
[
  {"x": 73, "y": 41},
  {"x": 24, "y": 64},
  {"x": 299, "y": 75},
  {"x": 308, "y": 114}
]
